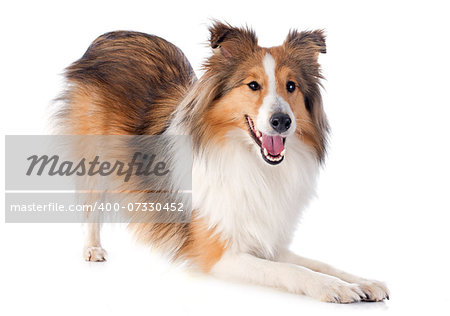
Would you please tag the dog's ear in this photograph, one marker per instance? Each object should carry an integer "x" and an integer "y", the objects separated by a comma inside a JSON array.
[
  {"x": 231, "y": 42},
  {"x": 310, "y": 42},
  {"x": 303, "y": 49}
]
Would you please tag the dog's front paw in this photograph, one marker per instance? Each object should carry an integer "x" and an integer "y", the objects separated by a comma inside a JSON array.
[
  {"x": 96, "y": 254},
  {"x": 375, "y": 291},
  {"x": 334, "y": 290}
]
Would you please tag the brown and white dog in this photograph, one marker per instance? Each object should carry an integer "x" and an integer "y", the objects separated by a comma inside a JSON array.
[{"x": 259, "y": 135}]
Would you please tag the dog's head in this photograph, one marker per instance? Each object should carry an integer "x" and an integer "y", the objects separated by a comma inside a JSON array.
[{"x": 270, "y": 93}]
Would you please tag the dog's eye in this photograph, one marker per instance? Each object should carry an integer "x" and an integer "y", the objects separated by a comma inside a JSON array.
[
  {"x": 254, "y": 85},
  {"x": 290, "y": 86}
]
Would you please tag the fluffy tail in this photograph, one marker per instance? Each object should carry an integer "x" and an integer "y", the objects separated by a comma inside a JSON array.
[{"x": 125, "y": 83}]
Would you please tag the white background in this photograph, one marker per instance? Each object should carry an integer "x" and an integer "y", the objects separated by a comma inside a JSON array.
[{"x": 383, "y": 201}]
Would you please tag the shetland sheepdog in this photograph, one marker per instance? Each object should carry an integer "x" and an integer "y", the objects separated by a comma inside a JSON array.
[{"x": 259, "y": 136}]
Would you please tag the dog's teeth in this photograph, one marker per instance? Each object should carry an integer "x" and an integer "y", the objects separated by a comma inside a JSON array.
[
  {"x": 283, "y": 152},
  {"x": 266, "y": 153},
  {"x": 258, "y": 134}
]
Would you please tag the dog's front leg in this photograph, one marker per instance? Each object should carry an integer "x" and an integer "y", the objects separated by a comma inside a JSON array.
[
  {"x": 291, "y": 277},
  {"x": 374, "y": 290}
]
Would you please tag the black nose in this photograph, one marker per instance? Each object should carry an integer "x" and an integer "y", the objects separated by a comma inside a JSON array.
[{"x": 280, "y": 122}]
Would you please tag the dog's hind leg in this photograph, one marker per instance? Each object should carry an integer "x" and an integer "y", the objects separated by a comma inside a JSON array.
[
  {"x": 374, "y": 290},
  {"x": 93, "y": 250}
]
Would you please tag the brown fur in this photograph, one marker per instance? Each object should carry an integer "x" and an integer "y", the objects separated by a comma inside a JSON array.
[
  {"x": 128, "y": 83},
  {"x": 203, "y": 246}
]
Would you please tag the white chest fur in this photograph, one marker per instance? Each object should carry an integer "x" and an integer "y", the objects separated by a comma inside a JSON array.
[{"x": 254, "y": 206}]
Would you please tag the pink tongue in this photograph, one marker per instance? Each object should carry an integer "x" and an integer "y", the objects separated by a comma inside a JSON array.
[{"x": 273, "y": 144}]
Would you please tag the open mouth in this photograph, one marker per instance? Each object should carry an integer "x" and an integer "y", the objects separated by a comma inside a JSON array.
[{"x": 272, "y": 147}]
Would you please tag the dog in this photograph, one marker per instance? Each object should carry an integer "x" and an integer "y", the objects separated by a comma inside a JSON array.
[{"x": 259, "y": 137}]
